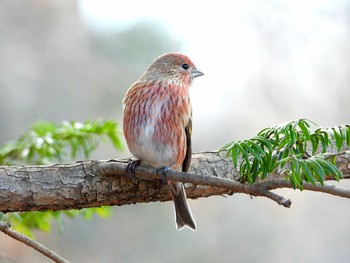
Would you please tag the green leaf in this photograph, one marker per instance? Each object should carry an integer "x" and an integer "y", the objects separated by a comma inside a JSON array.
[
  {"x": 266, "y": 133},
  {"x": 227, "y": 147},
  {"x": 245, "y": 162},
  {"x": 115, "y": 140},
  {"x": 284, "y": 157},
  {"x": 295, "y": 174},
  {"x": 255, "y": 170},
  {"x": 317, "y": 169},
  {"x": 304, "y": 128},
  {"x": 248, "y": 148},
  {"x": 293, "y": 135},
  {"x": 104, "y": 211},
  {"x": 330, "y": 168},
  {"x": 244, "y": 172},
  {"x": 307, "y": 173},
  {"x": 264, "y": 142},
  {"x": 347, "y": 135},
  {"x": 272, "y": 163},
  {"x": 343, "y": 131},
  {"x": 264, "y": 169},
  {"x": 324, "y": 143},
  {"x": 338, "y": 137},
  {"x": 315, "y": 143},
  {"x": 235, "y": 154}
]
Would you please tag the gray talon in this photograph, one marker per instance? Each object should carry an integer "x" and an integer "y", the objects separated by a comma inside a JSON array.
[
  {"x": 131, "y": 168},
  {"x": 161, "y": 171}
]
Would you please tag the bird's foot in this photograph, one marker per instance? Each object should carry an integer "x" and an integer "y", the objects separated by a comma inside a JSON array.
[
  {"x": 161, "y": 171},
  {"x": 131, "y": 168}
]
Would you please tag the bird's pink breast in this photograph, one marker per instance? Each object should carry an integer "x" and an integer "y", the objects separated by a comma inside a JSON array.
[{"x": 155, "y": 117}]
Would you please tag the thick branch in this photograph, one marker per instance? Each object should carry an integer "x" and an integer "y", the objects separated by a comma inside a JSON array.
[
  {"x": 99, "y": 183},
  {"x": 232, "y": 186}
]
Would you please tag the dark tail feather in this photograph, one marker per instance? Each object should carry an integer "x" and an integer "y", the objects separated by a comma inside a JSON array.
[{"x": 182, "y": 211}]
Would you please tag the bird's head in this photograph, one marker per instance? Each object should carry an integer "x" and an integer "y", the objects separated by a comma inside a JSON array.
[{"x": 172, "y": 67}]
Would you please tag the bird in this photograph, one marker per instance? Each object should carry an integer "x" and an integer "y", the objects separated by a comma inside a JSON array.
[{"x": 157, "y": 123}]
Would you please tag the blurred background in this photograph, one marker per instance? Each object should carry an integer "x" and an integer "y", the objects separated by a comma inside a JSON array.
[{"x": 265, "y": 62}]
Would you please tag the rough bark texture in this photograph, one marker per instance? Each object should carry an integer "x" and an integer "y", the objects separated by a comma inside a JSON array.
[
  {"x": 99, "y": 183},
  {"x": 77, "y": 185}
]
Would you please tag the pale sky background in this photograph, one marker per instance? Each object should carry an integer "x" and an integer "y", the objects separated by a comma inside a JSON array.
[{"x": 237, "y": 44}]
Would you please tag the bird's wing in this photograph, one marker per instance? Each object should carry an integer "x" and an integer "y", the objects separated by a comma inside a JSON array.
[{"x": 187, "y": 161}]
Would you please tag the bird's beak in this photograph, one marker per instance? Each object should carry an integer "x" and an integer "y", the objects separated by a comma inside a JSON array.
[{"x": 196, "y": 73}]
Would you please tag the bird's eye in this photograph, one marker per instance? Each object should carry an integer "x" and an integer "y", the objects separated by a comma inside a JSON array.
[{"x": 185, "y": 66}]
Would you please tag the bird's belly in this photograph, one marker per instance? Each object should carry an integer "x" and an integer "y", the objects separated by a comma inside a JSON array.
[{"x": 153, "y": 152}]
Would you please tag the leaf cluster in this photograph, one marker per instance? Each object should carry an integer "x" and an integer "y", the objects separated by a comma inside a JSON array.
[
  {"x": 47, "y": 143},
  {"x": 287, "y": 147}
]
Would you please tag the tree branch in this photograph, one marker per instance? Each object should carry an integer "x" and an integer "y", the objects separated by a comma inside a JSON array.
[
  {"x": 100, "y": 183},
  {"x": 328, "y": 189},
  {"x": 232, "y": 186},
  {"x": 6, "y": 228}
]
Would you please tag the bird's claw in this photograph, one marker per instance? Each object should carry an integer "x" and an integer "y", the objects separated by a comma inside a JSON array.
[
  {"x": 161, "y": 171},
  {"x": 130, "y": 170}
]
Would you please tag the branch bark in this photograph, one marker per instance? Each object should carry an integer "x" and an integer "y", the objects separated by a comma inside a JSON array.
[{"x": 100, "y": 183}]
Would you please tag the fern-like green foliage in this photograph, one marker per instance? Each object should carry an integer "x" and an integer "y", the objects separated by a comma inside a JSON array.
[
  {"x": 287, "y": 147},
  {"x": 47, "y": 143}
]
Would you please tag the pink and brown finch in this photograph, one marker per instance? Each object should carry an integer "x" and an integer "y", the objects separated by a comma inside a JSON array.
[{"x": 158, "y": 122}]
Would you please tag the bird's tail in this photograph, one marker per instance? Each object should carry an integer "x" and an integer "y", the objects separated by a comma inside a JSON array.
[{"x": 183, "y": 213}]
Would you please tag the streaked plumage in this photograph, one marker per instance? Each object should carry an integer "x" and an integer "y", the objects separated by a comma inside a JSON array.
[{"x": 158, "y": 121}]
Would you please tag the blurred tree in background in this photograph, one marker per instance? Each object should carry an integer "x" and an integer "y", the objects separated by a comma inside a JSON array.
[{"x": 53, "y": 68}]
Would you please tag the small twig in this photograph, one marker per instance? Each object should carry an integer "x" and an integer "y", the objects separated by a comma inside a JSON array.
[
  {"x": 232, "y": 185},
  {"x": 328, "y": 189},
  {"x": 6, "y": 228}
]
